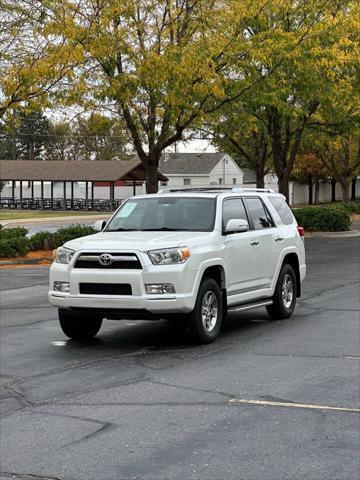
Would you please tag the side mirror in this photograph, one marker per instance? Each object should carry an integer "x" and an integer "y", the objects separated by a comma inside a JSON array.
[
  {"x": 236, "y": 225},
  {"x": 99, "y": 225}
]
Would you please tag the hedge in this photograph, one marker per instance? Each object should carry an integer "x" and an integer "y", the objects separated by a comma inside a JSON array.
[
  {"x": 331, "y": 218},
  {"x": 14, "y": 241}
]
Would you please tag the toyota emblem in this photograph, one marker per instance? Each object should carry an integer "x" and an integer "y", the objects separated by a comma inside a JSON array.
[{"x": 106, "y": 259}]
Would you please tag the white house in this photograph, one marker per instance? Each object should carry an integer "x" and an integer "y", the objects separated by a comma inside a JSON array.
[{"x": 200, "y": 169}]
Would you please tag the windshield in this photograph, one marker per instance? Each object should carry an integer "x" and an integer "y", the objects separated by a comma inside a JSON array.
[{"x": 165, "y": 214}]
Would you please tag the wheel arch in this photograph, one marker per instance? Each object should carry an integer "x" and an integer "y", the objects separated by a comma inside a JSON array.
[{"x": 293, "y": 260}]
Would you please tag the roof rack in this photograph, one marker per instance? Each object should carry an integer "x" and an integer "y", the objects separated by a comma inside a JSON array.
[
  {"x": 212, "y": 188},
  {"x": 248, "y": 189}
]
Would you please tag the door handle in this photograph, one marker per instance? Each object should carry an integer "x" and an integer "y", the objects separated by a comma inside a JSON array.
[
  {"x": 254, "y": 242},
  {"x": 279, "y": 239}
]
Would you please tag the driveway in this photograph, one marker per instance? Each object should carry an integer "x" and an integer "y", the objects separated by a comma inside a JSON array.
[{"x": 267, "y": 401}]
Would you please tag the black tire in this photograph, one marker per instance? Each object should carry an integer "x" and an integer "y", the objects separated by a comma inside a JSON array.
[
  {"x": 78, "y": 327},
  {"x": 284, "y": 301},
  {"x": 206, "y": 329}
]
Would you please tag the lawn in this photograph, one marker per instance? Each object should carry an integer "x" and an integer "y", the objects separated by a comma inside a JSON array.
[{"x": 24, "y": 214}]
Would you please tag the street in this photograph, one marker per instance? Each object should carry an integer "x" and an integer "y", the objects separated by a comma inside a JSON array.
[{"x": 141, "y": 401}]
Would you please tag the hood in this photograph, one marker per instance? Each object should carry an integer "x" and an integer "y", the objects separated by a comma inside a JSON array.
[{"x": 141, "y": 241}]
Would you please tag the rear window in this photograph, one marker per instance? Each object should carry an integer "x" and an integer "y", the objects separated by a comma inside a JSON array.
[{"x": 283, "y": 210}]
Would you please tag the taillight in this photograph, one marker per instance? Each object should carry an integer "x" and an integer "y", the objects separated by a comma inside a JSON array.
[{"x": 301, "y": 231}]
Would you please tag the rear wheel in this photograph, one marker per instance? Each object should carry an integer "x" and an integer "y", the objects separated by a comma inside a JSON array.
[
  {"x": 206, "y": 318},
  {"x": 79, "y": 327},
  {"x": 284, "y": 298}
]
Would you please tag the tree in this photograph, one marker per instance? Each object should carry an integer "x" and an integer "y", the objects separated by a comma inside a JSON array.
[
  {"x": 310, "y": 170},
  {"x": 238, "y": 131},
  {"x": 102, "y": 138},
  {"x": 165, "y": 64},
  {"x": 31, "y": 65},
  {"x": 279, "y": 110},
  {"x": 31, "y": 135}
]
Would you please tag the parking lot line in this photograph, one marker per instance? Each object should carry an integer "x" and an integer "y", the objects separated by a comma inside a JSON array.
[{"x": 271, "y": 403}]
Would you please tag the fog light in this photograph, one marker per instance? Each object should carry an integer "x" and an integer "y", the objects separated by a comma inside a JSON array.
[
  {"x": 62, "y": 287},
  {"x": 159, "y": 288}
]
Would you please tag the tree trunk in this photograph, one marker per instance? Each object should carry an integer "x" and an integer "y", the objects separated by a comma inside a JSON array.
[
  {"x": 317, "y": 190},
  {"x": 310, "y": 185},
  {"x": 151, "y": 176},
  {"x": 353, "y": 189},
  {"x": 333, "y": 189},
  {"x": 283, "y": 185},
  {"x": 259, "y": 169},
  {"x": 345, "y": 190}
]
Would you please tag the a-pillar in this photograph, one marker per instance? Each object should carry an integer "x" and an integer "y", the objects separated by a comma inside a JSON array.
[
  {"x": 13, "y": 186},
  {"x": 134, "y": 187}
]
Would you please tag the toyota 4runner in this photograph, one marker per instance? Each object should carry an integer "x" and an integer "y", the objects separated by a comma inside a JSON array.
[{"x": 191, "y": 255}]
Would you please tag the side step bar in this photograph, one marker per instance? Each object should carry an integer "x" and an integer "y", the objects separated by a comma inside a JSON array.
[{"x": 249, "y": 306}]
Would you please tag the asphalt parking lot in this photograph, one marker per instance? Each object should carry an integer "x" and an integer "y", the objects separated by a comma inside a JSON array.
[{"x": 142, "y": 402}]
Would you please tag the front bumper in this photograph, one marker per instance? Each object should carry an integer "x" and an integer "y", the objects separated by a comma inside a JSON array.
[{"x": 180, "y": 276}]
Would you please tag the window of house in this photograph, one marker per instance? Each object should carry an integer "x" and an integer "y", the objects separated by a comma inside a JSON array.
[
  {"x": 187, "y": 181},
  {"x": 220, "y": 181},
  {"x": 163, "y": 184},
  {"x": 258, "y": 213},
  {"x": 234, "y": 181}
]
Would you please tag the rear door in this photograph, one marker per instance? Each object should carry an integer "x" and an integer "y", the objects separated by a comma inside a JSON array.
[
  {"x": 262, "y": 241},
  {"x": 241, "y": 263}
]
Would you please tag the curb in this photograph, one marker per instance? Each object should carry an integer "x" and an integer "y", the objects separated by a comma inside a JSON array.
[
  {"x": 27, "y": 262},
  {"x": 350, "y": 233}
]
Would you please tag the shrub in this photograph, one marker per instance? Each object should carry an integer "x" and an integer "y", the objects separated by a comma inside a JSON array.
[
  {"x": 69, "y": 233},
  {"x": 37, "y": 241},
  {"x": 332, "y": 219},
  {"x": 13, "y": 246},
  {"x": 17, "y": 232}
]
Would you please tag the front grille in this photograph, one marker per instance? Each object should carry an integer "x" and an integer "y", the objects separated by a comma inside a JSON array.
[
  {"x": 124, "y": 261},
  {"x": 105, "y": 289}
]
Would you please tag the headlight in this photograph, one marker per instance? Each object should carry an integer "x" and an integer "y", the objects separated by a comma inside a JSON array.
[
  {"x": 168, "y": 256},
  {"x": 63, "y": 255}
]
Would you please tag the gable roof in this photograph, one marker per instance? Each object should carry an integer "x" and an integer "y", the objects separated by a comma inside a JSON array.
[
  {"x": 189, "y": 163},
  {"x": 81, "y": 170}
]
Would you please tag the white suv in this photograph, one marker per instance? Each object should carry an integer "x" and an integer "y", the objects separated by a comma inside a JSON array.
[{"x": 191, "y": 254}]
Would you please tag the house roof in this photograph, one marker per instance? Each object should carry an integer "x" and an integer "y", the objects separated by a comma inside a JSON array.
[
  {"x": 82, "y": 170},
  {"x": 189, "y": 163}
]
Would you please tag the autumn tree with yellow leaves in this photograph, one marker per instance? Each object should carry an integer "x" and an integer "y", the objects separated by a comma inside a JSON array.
[{"x": 164, "y": 65}]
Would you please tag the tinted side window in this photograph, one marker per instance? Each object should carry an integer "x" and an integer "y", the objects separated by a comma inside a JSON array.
[
  {"x": 259, "y": 216},
  {"x": 233, "y": 208},
  {"x": 283, "y": 210}
]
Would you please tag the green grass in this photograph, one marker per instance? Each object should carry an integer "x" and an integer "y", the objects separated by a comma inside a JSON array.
[{"x": 24, "y": 214}]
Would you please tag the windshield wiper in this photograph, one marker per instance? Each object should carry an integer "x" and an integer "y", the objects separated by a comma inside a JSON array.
[
  {"x": 122, "y": 230},
  {"x": 165, "y": 229}
]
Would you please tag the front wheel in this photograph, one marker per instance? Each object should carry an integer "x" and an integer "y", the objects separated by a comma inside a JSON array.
[
  {"x": 206, "y": 318},
  {"x": 284, "y": 298},
  {"x": 78, "y": 327}
]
